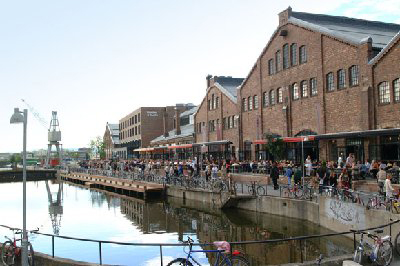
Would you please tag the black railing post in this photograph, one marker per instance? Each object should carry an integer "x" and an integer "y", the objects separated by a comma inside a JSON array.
[
  {"x": 52, "y": 246},
  {"x": 161, "y": 257},
  {"x": 301, "y": 251},
  {"x": 101, "y": 259}
]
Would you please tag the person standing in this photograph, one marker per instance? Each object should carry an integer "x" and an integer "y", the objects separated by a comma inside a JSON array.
[
  {"x": 308, "y": 165},
  {"x": 388, "y": 187},
  {"x": 289, "y": 174},
  {"x": 275, "y": 175},
  {"x": 381, "y": 179}
]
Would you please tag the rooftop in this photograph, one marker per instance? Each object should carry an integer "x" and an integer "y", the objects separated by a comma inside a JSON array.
[{"x": 355, "y": 30}]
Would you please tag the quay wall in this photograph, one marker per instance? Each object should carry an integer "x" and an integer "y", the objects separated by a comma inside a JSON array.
[{"x": 327, "y": 212}]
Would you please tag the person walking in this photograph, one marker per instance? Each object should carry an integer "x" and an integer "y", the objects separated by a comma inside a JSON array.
[
  {"x": 388, "y": 187},
  {"x": 308, "y": 165},
  {"x": 381, "y": 178},
  {"x": 289, "y": 174}
]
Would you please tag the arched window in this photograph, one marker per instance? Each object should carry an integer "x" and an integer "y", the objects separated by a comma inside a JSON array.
[
  {"x": 278, "y": 61},
  {"x": 341, "y": 79},
  {"x": 304, "y": 88},
  {"x": 271, "y": 68},
  {"x": 265, "y": 99},
  {"x": 295, "y": 91},
  {"x": 353, "y": 75},
  {"x": 396, "y": 90},
  {"x": 279, "y": 95},
  {"x": 285, "y": 50},
  {"x": 250, "y": 101},
  {"x": 293, "y": 54},
  {"x": 384, "y": 92},
  {"x": 330, "y": 85},
  {"x": 271, "y": 97},
  {"x": 303, "y": 54},
  {"x": 255, "y": 102},
  {"x": 313, "y": 86}
]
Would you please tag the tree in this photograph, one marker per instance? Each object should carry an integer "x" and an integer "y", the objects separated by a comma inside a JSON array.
[
  {"x": 97, "y": 148},
  {"x": 275, "y": 145},
  {"x": 14, "y": 160}
]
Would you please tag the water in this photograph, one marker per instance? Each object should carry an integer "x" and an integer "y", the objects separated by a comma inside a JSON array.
[{"x": 75, "y": 211}]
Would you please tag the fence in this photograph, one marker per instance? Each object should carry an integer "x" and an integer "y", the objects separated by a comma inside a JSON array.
[{"x": 300, "y": 239}]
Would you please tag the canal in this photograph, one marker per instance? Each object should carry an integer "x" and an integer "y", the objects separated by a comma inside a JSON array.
[{"x": 70, "y": 210}]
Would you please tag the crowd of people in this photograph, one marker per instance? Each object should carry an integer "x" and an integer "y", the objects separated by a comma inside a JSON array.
[{"x": 339, "y": 174}]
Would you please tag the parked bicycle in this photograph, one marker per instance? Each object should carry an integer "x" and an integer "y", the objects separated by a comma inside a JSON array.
[
  {"x": 256, "y": 189},
  {"x": 224, "y": 258},
  {"x": 380, "y": 252},
  {"x": 10, "y": 251}
]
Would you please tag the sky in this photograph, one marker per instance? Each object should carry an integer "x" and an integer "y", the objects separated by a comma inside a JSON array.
[{"x": 95, "y": 61}]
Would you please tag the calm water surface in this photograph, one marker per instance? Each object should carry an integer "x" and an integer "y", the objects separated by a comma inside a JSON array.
[{"x": 70, "y": 210}]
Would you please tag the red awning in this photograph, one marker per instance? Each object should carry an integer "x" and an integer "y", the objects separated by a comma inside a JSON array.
[
  {"x": 287, "y": 139},
  {"x": 183, "y": 146}
]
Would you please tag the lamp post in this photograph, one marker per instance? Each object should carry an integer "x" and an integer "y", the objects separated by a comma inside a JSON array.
[
  {"x": 22, "y": 117},
  {"x": 302, "y": 156}
]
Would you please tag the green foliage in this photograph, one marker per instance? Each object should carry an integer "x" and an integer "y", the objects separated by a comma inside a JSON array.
[
  {"x": 97, "y": 148},
  {"x": 276, "y": 146}
]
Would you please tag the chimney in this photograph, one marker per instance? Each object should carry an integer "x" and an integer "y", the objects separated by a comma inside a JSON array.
[
  {"x": 208, "y": 78},
  {"x": 178, "y": 120},
  {"x": 165, "y": 118},
  {"x": 284, "y": 16}
]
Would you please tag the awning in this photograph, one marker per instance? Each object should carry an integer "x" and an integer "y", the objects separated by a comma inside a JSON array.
[
  {"x": 144, "y": 149},
  {"x": 359, "y": 134},
  {"x": 288, "y": 139},
  {"x": 183, "y": 146},
  {"x": 218, "y": 142}
]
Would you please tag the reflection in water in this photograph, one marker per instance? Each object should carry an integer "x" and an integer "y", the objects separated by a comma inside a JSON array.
[
  {"x": 106, "y": 216},
  {"x": 208, "y": 224},
  {"x": 55, "y": 206}
]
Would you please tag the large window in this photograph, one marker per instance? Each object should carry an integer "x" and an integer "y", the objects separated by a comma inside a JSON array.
[
  {"x": 271, "y": 97},
  {"x": 341, "y": 79},
  {"x": 330, "y": 85},
  {"x": 216, "y": 102},
  {"x": 250, "y": 101},
  {"x": 384, "y": 92},
  {"x": 396, "y": 90},
  {"x": 255, "y": 102},
  {"x": 212, "y": 102},
  {"x": 293, "y": 54},
  {"x": 353, "y": 73},
  {"x": 313, "y": 86},
  {"x": 244, "y": 104},
  {"x": 271, "y": 68},
  {"x": 279, "y": 95},
  {"x": 295, "y": 91},
  {"x": 303, "y": 54},
  {"x": 265, "y": 99},
  {"x": 278, "y": 61},
  {"x": 304, "y": 88},
  {"x": 285, "y": 50}
]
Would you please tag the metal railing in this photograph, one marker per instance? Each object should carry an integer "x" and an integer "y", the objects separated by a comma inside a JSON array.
[{"x": 301, "y": 239}]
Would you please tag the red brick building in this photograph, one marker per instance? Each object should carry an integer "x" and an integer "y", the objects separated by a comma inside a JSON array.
[
  {"x": 217, "y": 120},
  {"x": 321, "y": 75}
]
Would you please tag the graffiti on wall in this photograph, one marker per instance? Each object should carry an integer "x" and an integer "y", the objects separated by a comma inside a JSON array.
[{"x": 345, "y": 212}]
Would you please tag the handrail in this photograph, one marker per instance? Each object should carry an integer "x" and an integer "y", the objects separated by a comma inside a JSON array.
[{"x": 298, "y": 238}]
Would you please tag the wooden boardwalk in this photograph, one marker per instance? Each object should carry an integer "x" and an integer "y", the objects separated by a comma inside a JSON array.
[{"x": 116, "y": 185}]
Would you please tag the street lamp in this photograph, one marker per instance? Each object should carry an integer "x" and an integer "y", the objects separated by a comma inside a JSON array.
[{"x": 22, "y": 117}]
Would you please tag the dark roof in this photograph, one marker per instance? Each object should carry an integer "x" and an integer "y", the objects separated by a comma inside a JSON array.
[
  {"x": 189, "y": 112},
  {"x": 228, "y": 85},
  {"x": 353, "y": 29}
]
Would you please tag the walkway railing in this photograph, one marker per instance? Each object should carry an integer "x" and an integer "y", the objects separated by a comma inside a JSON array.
[{"x": 301, "y": 239}]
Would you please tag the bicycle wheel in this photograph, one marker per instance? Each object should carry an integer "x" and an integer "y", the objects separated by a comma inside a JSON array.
[
  {"x": 260, "y": 190},
  {"x": 250, "y": 189},
  {"x": 8, "y": 253},
  {"x": 385, "y": 253},
  {"x": 31, "y": 258},
  {"x": 180, "y": 261},
  {"x": 397, "y": 243},
  {"x": 236, "y": 261},
  {"x": 358, "y": 256},
  {"x": 298, "y": 193}
]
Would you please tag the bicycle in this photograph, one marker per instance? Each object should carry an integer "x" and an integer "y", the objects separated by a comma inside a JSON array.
[
  {"x": 293, "y": 192},
  {"x": 10, "y": 250},
  {"x": 256, "y": 189},
  {"x": 223, "y": 247},
  {"x": 381, "y": 250}
]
